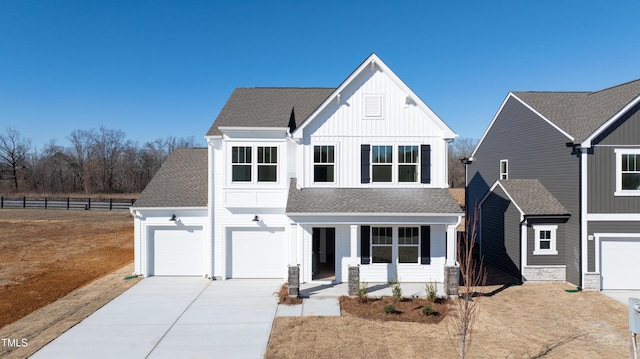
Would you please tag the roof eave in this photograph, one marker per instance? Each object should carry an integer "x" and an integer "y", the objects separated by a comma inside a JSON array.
[{"x": 587, "y": 143}]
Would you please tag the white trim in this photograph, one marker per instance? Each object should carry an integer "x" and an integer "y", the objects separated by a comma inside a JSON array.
[
  {"x": 587, "y": 142},
  {"x": 495, "y": 117},
  {"x": 618, "y": 154},
  {"x": 584, "y": 260},
  {"x": 313, "y": 163},
  {"x": 613, "y": 217},
  {"x": 493, "y": 187},
  {"x": 524, "y": 240},
  {"x": 545, "y": 252},
  {"x": 374, "y": 61}
]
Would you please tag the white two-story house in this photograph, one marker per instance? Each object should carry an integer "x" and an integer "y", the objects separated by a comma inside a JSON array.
[{"x": 321, "y": 178}]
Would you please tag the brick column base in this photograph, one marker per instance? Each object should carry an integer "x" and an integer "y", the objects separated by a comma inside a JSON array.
[
  {"x": 451, "y": 280},
  {"x": 294, "y": 281},
  {"x": 354, "y": 280}
]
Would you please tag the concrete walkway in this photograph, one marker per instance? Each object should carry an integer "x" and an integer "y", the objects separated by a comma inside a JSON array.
[{"x": 176, "y": 317}]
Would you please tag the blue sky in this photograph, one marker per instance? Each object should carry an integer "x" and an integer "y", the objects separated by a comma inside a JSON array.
[{"x": 160, "y": 68}]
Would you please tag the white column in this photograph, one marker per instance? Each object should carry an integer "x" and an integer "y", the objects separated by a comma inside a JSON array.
[
  {"x": 354, "y": 244},
  {"x": 293, "y": 244},
  {"x": 452, "y": 239}
]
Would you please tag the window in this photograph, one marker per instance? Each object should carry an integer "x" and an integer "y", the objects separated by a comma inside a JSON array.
[
  {"x": 323, "y": 164},
  {"x": 241, "y": 164},
  {"x": 382, "y": 164},
  {"x": 408, "y": 163},
  {"x": 627, "y": 172},
  {"x": 267, "y": 164},
  {"x": 545, "y": 240},
  {"x": 372, "y": 106},
  {"x": 381, "y": 244},
  {"x": 504, "y": 169},
  {"x": 408, "y": 244}
]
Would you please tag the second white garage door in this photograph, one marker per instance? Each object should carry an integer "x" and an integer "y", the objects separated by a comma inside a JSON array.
[
  {"x": 177, "y": 251},
  {"x": 620, "y": 263},
  {"x": 256, "y": 254}
]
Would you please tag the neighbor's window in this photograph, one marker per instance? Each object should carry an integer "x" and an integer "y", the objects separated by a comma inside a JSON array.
[
  {"x": 241, "y": 164},
  {"x": 381, "y": 244},
  {"x": 323, "y": 163},
  {"x": 504, "y": 169},
  {"x": 408, "y": 163},
  {"x": 408, "y": 244},
  {"x": 545, "y": 240},
  {"x": 627, "y": 172},
  {"x": 267, "y": 164},
  {"x": 381, "y": 163}
]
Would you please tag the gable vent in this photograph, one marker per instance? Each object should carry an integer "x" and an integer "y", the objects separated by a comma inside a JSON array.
[{"x": 372, "y": 105}]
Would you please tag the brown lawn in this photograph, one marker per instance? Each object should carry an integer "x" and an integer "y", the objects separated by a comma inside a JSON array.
[
  {"x": 527, "y": 321},
  {"x": 46, "y": 254}
]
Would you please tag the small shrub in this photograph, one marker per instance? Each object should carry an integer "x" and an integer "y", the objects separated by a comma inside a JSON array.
[
  {"x": 432, "y": 291},
  {"x": 363, "y": 292},
  {"x": 389, "y": 309},
  {"x": 427, "y": 310},
  {"x": 396, "y": 290}
]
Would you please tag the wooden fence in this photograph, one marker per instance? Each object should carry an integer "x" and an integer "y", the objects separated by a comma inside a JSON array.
[{"x": 109, "y": 204}]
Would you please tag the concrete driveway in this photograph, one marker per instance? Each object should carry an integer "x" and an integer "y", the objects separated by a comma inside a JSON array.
[
  {"x": 622, "y": 296},
  {"x": 176, "y": 317}
]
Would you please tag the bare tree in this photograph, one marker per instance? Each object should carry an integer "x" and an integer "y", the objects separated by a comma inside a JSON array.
[
  {"x": 458, "y": 149},
  {"x": 14, "y": 150},
  {"x": 109, "y": 145},
  {"x": 79, "y": 155},
  {"x": 474, "y": 276}
]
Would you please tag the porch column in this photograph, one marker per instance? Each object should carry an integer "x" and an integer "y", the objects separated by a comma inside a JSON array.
[
  {"x": 354, "y": 244},
  {"x": 452, "y": 240},
  {"x": 293, "y": 245}
]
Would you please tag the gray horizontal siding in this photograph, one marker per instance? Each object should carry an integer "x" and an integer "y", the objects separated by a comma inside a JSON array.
[
  {"x": 607, "y": 227},
  {"x": 602, "y": 166},
  {"x": 535, "y": 150},
  {"x": 501, "y": 233},
  {"x": 536, "y": 260}
]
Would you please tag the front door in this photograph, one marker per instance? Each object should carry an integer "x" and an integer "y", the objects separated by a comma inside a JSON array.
[{"x": 323, "y": 257}]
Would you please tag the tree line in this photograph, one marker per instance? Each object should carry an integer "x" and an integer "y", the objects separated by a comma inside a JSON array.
[{"x": 93, "y": 161}]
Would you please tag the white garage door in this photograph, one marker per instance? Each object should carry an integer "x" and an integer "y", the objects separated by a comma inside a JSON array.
[
  {"x": 256, "y": 254},
  {"x": 620, "y": 263},
  {"x": 177, "y": 251}
]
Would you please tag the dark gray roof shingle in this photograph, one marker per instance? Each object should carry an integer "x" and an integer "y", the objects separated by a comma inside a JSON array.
[
  {"x": 581, "y": 113},
  {"x": 370, "y": 200},
  {"x": 268, "y": 106},
  {"x": 532, "y": 197},
  {"x": 181, "y": 181}
]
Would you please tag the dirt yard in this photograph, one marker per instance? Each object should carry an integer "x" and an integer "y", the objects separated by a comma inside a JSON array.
[
  {"x": 46, "y": 254},
  {"x": 527, "y": 321}
]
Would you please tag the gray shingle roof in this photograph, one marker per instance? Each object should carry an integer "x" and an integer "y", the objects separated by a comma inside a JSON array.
[
  {"x": 180, "y": 182},
  {"x": 268, "y": 106},
  {"x": 581, "y": 113},
  {"x": 533, "y": 197},
  {"x": 370, "y": 200}
]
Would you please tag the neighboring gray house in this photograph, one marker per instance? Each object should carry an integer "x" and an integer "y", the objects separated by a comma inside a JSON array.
[{"x": 556, "y": 177}]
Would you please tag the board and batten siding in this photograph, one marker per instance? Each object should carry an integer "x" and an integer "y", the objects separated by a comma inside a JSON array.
[
  {"x": 345, "y": 126},
  {"x": 500, "y": 225},
  {"x": 535, "y": 150},
  {"x": 601, "y": 166}
]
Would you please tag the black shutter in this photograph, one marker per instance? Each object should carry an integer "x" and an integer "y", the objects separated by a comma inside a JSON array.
[
  {"x": 425, "y": 164},
  {"x": 365, "y": 151},
  {"x": 425, "y": 245},
  {"x": 365, "y": 234}
]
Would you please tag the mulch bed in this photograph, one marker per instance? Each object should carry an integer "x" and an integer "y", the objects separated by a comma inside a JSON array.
[{"x": 407, "y": 309}]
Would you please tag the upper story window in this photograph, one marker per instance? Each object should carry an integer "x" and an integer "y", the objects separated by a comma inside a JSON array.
[
  {"x": 382, "y": 164},
  {"x": 504, "y": 169},
  {"x": 378, "y": 164},
  {"x": 627, "y": 172},
  {"x": 323, "y": 164},
  {"x": 267, "y": 164},
  {"x": 408, "y": 163},
  {"x": 545, "y": 240},
  {"x": 243, "y": 163}
]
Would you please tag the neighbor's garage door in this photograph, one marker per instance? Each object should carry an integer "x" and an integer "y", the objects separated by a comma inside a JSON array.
[
  {"x": 256, "y": 254},
  {"x": 620, "y": 263},
  {"x": 177, "y": 251}
]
